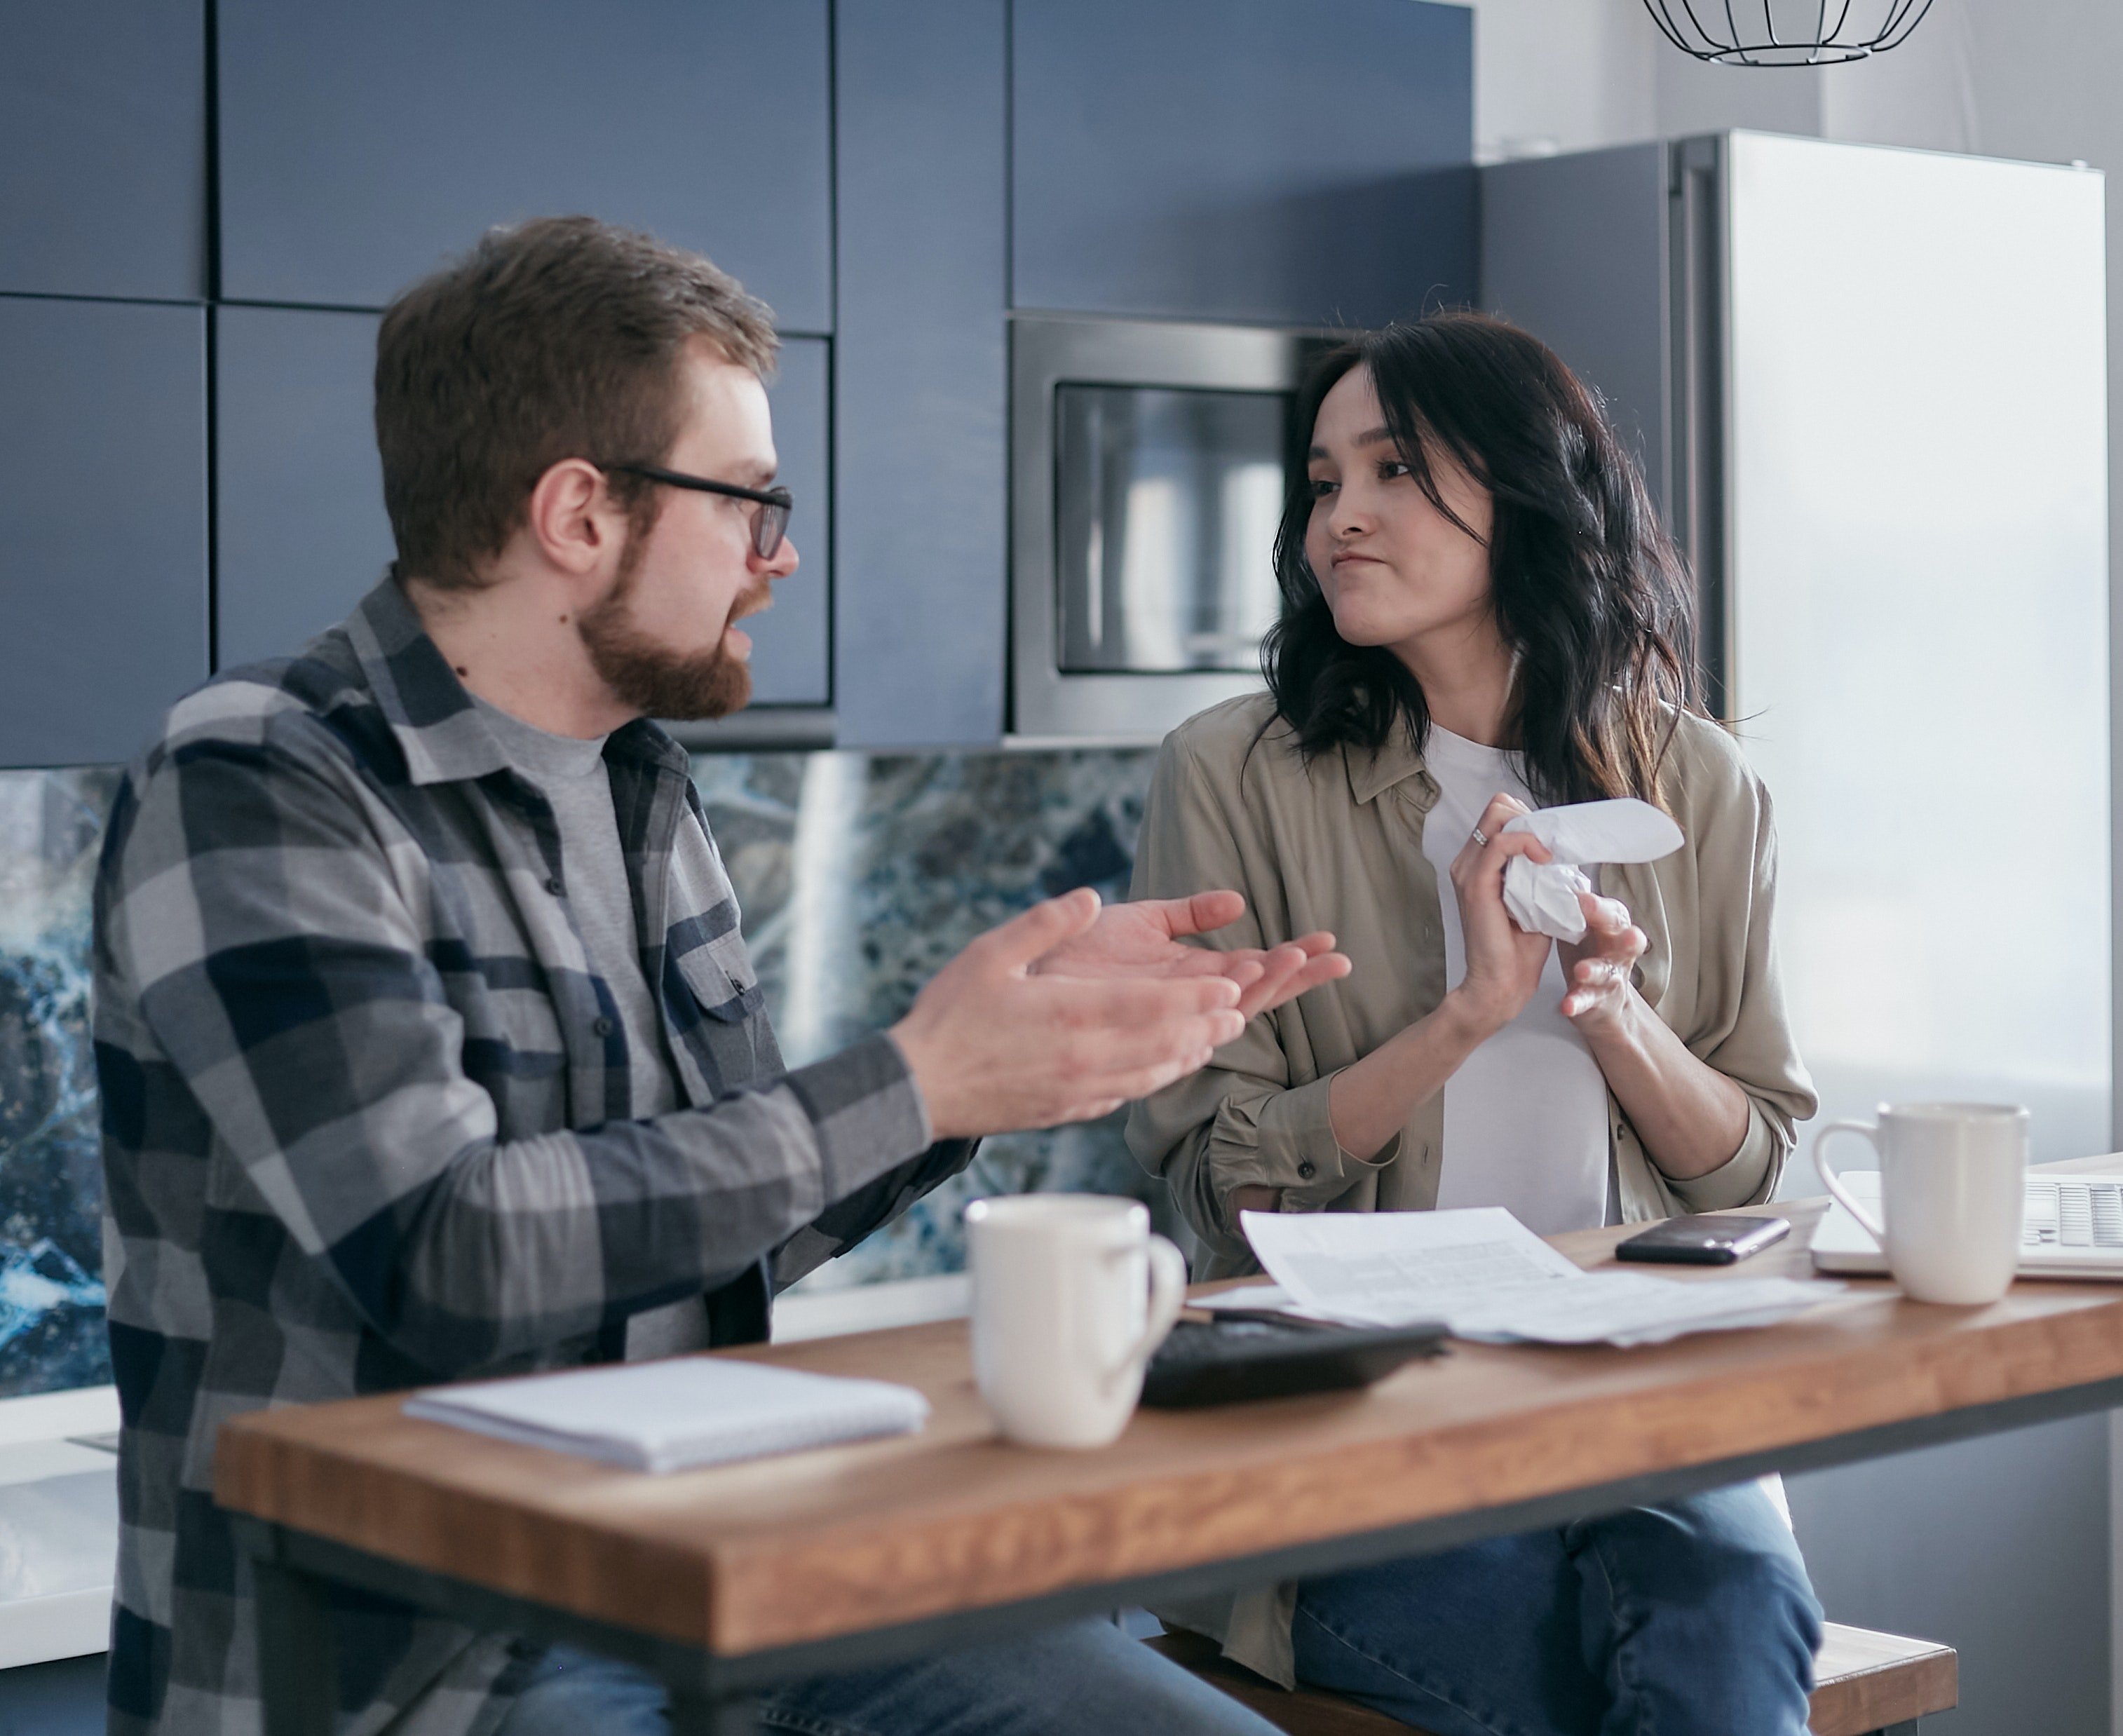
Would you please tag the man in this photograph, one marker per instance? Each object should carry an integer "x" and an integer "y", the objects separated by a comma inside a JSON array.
[{"x": 429, "y": 1046}]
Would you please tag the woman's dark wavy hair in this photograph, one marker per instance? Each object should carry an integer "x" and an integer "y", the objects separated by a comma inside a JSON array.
[{"x": 1588, "y": 591}]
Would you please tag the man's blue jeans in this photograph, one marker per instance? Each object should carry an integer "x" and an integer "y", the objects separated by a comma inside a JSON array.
[
  {"x": 1088, "y": 1679},
  {"x": 1692, "y": 1619}
]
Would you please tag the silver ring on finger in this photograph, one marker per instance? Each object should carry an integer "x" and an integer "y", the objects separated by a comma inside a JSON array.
[{"x": 1481, "y": 839}]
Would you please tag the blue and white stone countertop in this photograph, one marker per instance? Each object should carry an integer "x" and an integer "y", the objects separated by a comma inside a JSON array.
[{"x": 858, "y": 876}]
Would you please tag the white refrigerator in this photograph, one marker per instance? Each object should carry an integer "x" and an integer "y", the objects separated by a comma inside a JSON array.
[{"x": 1869, "y": 388}]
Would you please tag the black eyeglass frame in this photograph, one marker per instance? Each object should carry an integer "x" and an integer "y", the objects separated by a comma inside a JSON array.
[{"x": 769, "y": 525}]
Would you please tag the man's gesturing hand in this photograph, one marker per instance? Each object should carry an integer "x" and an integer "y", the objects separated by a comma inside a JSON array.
[
  {"x": 994, "y": 1047},
  {"x": 1143, "y": 939}
]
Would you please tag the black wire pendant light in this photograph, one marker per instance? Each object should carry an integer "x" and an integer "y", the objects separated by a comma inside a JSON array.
[{"x": 1786, "y": 32}]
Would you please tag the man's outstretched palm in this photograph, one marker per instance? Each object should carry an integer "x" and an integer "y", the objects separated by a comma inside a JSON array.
[{"x": 1146, "y": 940}]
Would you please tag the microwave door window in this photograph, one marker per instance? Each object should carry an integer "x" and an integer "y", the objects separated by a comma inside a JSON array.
[{"x": 1166, "y": 503}]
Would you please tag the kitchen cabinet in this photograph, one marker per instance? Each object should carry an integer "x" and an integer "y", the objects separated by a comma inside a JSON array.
[
  {"x": 362, "y": 141},
  {"x": 300, "y": 529},
  {"x": 1301, "y": 164},
  {"x": 103, "y": 149},
  {"x": 103, "y": 491},
  {"x": 300, "y": 532},
  {"x": 922, "y": 377},
  {"x": 789, "y": 658}
]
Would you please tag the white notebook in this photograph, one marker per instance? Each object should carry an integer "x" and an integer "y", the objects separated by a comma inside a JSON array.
[{"x": 669, "y": 1415}]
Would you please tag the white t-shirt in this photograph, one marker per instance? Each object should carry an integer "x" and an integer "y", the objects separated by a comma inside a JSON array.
[{"x": 1525, "y": 1117}]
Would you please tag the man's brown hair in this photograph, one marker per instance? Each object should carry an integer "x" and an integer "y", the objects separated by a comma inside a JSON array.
[{"x": 555, "y": 339}]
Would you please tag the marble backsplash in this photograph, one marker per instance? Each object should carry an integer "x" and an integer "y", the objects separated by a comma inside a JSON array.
[
  {"x": 858, "y": 876},
  {"x": 51, "y": 1179}
]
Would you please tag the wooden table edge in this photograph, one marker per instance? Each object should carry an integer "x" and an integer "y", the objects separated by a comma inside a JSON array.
[{"x": 700, "y": 1586}]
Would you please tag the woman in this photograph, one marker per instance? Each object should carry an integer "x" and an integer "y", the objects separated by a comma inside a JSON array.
[{"x": 1480, "y": 614}]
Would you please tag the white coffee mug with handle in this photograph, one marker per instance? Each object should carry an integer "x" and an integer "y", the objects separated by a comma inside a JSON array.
[
  {"x": 1953, "y": 1190},
  {"x": 1072, "y": 1293}
]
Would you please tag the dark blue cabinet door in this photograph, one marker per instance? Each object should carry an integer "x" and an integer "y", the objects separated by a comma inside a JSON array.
[
  {"x": 103, "y": 492},
  {"x": 103, "y": 149},
  {"x": 363, "y": 141},
  {"x": 789, "y": 652},
  {"x": 921, "y": 375},
  {"x": 1289, "y": 160},
  {"x": 300, "y": 532}
]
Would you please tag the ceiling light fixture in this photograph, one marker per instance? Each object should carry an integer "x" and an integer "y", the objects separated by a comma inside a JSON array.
[{"x": 1786, "y": 32}]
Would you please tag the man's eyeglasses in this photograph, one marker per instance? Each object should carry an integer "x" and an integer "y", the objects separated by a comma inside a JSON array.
[{"x": 769, "y": 525}]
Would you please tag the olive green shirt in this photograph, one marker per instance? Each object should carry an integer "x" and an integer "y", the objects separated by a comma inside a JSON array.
[{"x": 1338, "y": 844}]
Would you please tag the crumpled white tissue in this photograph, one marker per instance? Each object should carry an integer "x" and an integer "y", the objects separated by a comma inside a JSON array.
[{"x": 1542, "y": 897}]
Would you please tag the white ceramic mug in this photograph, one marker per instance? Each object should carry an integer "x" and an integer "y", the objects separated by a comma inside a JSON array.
[
  {"x": 1071, "y": 1294},
  {"x": 1953, "y": 1189}
]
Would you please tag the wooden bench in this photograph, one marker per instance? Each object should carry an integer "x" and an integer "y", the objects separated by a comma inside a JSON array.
[{"x": 1867, "y": 1684}]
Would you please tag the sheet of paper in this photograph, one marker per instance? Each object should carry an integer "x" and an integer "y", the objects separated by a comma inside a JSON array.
[
  {"x": 1390, "y": 1267},
  {"x": 1255, "y": 1299},
  {"x": 1627, "y": 1308},
  {"x": 1487, "y": 1276}
]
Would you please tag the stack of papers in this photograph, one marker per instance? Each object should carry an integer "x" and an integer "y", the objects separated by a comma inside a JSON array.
[
  {"x": 1485, "y": 1275},
  {"x": 1257, "y": 1299},
  {"x": 669, "y": 1415}
]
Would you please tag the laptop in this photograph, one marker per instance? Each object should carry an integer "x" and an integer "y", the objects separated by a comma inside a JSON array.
[{"x": 2073, "y": 1228}]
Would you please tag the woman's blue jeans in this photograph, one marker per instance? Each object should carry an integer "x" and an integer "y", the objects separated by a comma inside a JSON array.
[{"x": 1695, "y": 1618}]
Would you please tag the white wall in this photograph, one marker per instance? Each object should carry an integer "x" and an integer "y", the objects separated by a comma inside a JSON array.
[
  {"x": 2004, "y": 1546},
  {"x": 1563, "y": 75},
  {"x": 2000, "y": 76}
]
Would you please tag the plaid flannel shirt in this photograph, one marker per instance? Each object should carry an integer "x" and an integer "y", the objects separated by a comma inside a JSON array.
[{"x": 364, "y": 1128}]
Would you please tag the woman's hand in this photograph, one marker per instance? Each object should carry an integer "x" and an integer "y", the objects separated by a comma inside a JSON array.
[
  {"x": 1504, "y": 962},
  {"x": 1691, "y": 1117},
  {"x": 1600, "y": 968}
]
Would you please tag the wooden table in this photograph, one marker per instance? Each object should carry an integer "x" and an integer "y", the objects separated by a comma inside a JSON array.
[{"x": 724, "y": 1581}]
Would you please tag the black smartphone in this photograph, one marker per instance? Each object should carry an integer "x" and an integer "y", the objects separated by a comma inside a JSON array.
[{"x": 1708, "y": 1239}]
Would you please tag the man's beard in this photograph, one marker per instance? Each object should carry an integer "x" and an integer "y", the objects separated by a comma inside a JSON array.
[{"x": 651, "y": 678}]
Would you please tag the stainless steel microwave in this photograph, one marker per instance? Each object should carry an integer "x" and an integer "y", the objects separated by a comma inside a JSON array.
[{"x": 1149, "y": 466}]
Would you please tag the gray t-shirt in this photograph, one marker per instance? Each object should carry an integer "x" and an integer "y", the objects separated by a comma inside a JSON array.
[{"x": 570, "y": 772}]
